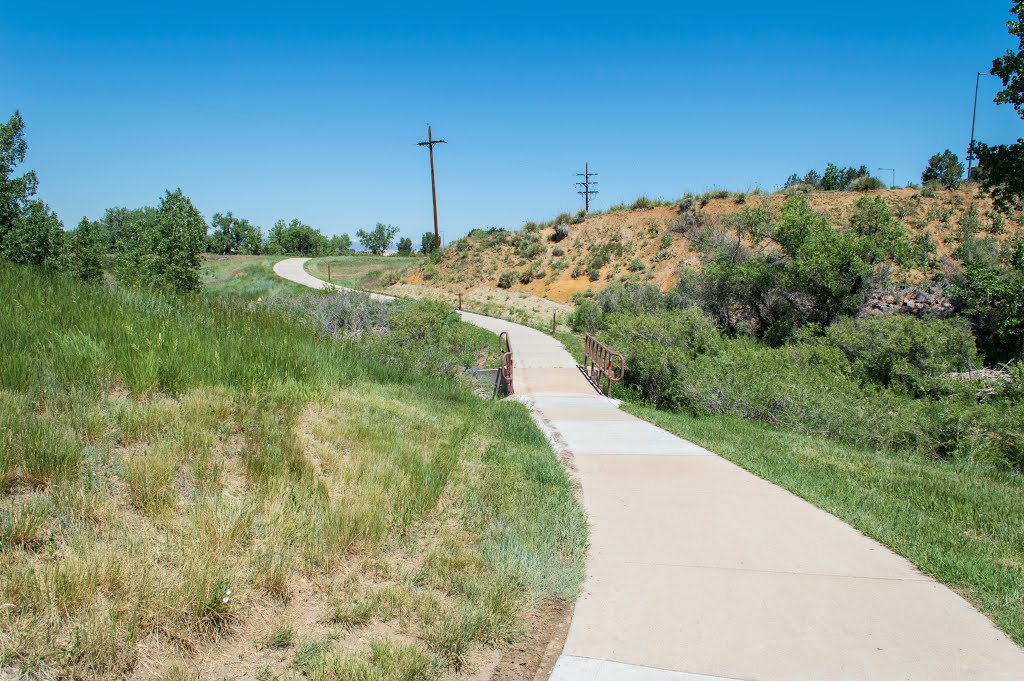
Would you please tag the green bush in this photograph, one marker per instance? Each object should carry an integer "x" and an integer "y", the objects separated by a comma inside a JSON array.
[
  {"x": 904, "y": 350},
  {"x": 586, "y": 317},
  {"x": 866, "y": 183},
  {"x": 506, "y": 279}
]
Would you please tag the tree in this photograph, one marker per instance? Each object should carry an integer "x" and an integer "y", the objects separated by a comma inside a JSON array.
[
  {"x": 837, "y": 178},
  {"x": 379, "y": 239},
  {"x": 945, "y": 168},
  {"x": 89, "y": 247},
  {"x": 990, "y": 291},
  {"x": 296, "y": 238},
  {"x": 428, "y": 244},
  {"x": 35, "y": 238},
  {"x": 1001, "y": 167},
  {"x": 15, "y": 192},
  {"x": 780, "y": 271},
  {"x": 136, "y": 262},
  {"x": 340, "y": 244},
  {"x": 832, "y": 180},
  {"x": 233, "y": 235},
  {"x": 180, "y": 238},
  {"x": 405, "y": 246}
]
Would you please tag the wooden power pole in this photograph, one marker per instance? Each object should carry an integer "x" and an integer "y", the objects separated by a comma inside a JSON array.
[
  {"x": 586, "y": 191},
  {"x": 433, "y": 187}
]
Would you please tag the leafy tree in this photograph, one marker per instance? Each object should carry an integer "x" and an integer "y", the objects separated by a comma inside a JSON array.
[
  {"x": 1001, "y": 167},
  {"x": 797, "y": 269},
  {"x": 35, "y": 238},
  {"x": 378, "y": 240},
  {"x": 89, "y": 248},
  {"x": 945, "y": 168},
  {"x": 180, "y": 238},
  {"x": 405, "y": 246},
  {"x": 233, "y": 235},
  {"x": 990, "y": 291},
  {"x": 15, "y": 192},
  {"x": 136, "y": 262},
  {"x": 428, "y": 243},
  {"x": 296, "y": 238},
  {"x": 340, "y": 244}
]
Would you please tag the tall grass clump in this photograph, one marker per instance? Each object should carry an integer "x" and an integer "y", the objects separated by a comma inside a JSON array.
[{"x": 173, "y": 465}]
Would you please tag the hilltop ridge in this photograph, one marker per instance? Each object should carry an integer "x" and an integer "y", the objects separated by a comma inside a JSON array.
[{"x": 643, "y": 242}]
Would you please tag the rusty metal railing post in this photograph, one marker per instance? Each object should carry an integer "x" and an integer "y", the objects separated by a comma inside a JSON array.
[
  {"x": 601, "y": 365},
  {"x": 506, "y": 372}
]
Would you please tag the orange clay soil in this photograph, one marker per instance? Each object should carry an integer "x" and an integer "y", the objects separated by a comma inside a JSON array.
[{"x": 640, "y": 246}]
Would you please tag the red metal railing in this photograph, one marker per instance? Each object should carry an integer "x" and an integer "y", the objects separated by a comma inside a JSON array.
[
  {"x": 507, "y": 366},
  {"x": 602, "y": 363}
]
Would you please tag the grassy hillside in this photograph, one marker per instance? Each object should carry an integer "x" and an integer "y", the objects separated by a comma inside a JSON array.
[
  {"x": 638, "y": 244},
  {"x": 191, "y": 488},
  {"x": 364, "y": 272},
  {"x": 245, "y": 277}
]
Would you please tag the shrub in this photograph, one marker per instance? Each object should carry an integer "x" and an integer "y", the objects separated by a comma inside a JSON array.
[
  {"x": 636, "y": 299},
  {"x": 904, "y": 350},
  {"x": 990, "y": 291},
  {"x": 586, "y": 317},
  {"x": 866, "y": 183},
  {"x": 658, "y": 347},
  {"x": 506, "y": 279},
  {"x": 636, "y": 265},
  {"x": 526, "y": 276},
  {"x": 557, "y": 252}
]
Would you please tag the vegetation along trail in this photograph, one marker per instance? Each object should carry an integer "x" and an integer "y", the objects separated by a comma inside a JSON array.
[{"x": 698, "y": 567}]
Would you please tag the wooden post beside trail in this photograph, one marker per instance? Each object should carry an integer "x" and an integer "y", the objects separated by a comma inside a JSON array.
[
  {"x": 460, "y": 301},
  {"x": 329, "y": 272},
  {"x": 553, "y": 322}
]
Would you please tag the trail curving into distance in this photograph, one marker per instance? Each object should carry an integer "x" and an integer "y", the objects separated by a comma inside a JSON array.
[{"x": 701, "y": 571}]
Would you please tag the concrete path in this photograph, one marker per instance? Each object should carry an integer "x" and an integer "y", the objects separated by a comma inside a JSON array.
[{"x": 701, "y": 571}]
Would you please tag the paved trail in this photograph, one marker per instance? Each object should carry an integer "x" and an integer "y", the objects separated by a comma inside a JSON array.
[{"x": 701, "y": 571}]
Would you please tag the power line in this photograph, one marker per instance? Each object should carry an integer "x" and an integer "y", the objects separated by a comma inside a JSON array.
[{"x": 586, "y": 191}]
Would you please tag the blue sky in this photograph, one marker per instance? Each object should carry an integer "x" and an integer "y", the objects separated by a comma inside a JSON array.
[{"x": 300, "y": 111}]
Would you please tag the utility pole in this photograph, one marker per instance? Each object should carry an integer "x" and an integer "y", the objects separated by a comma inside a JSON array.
[
  {"x": 586, "y": 191},
  {"x": 974, "y": 117},
  {"x": 893, "y": 184},
  {"x": 433, "y": 187}
]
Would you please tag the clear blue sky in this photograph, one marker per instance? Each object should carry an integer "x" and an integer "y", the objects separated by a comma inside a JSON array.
[{"x": 290, "y": 110}]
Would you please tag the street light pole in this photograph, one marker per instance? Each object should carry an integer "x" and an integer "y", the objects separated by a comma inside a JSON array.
[
  {"x": 893, "y": 185},
  {"x": 974, "y": 117}
]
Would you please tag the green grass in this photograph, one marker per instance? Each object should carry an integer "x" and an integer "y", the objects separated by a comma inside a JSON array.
[
  {"x": 174, "y": 469},
  {"x": 363, "y": 272},
  {"x": 245, "y": 277},
  {"x": 964, "y": 525}
]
